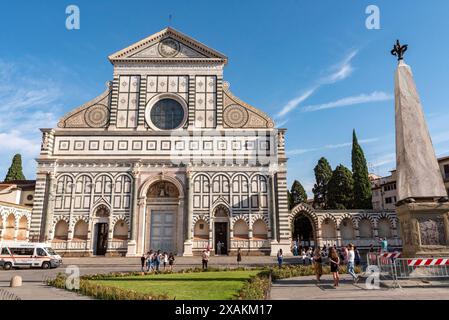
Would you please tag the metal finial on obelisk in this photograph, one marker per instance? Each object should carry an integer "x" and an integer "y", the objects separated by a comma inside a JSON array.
[{"x": 399, "y": 50}]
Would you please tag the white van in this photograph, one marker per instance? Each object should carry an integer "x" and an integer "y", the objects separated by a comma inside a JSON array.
[{"x": 27, "y": 254}]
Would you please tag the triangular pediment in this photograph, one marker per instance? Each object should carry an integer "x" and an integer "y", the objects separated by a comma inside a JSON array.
[{"x": 168, "y": 45}]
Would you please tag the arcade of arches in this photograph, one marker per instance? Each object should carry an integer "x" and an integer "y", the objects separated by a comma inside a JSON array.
[
  {"x": 14, "y": 222},
  {"x": 340, "y": 227}
]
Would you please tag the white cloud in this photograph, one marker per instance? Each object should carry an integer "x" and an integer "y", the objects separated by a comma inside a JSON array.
[
  {"x": 29, "y": 100},
  {"x": 295, "y": 152},
  {"x": 343, "y": 70},
  {"x": 383, "y": 160},
  {"x": 376, "y": 96},
  {"x": 292, "y": 104},
  {"x": 348, "y": 144},
  {"x": 339, "y": 72},
  {"x": 15, "y": 142}
]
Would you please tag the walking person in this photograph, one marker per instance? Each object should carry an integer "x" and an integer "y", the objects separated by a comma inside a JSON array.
[
  {"x": 351, "y": 258},
  {"x": 239, "y": 257},
  {"x": 218, "y": 247},
  {"x": 280, "y": 257},
  {"x": 150, "y": 261},
  {"x": 358, "y": 258},
  {"x": 295, "y": 249},
  {"x": 303, "y": 256},
  {"x": 334, "y": 261},
  {"x": 345, "y": 253},
  {"x": 165, "y": 259},
  {"x": 157, "y": 259},
  {"x": 171, "y": 260},
  {"x": 318, "y": 266},
  {"x": 205, "y": 259},
  {"x": 383, "y": 245},
  {"x": 143, "y": 259}
]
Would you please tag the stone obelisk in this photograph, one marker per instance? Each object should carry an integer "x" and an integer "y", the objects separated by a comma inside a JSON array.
[{"x": 422, "y": 207}]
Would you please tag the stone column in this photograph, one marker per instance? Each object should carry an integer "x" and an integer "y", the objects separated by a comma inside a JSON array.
[
  {"x": 188, "y": 243},
  {"x": 339, "y": 243},
  {"x": 273, "y": 223},
  {"x": 132, "y": 244},
  {"x": 48, "y": 233}
]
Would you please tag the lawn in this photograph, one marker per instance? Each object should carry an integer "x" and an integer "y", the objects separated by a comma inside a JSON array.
[{"x": 213, "y": 285}]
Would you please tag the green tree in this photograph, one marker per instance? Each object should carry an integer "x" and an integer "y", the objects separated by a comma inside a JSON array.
[
  {"x": 362, "y": 184},
  {"x": 297, "y": 193},
  {"x": 15, "y": 171},
  {"x": 323, "y": 173},
  {"x": 340, "y": 189}
]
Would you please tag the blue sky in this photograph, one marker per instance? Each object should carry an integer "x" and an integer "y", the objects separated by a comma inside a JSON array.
[{"x": 313, "y": 66}]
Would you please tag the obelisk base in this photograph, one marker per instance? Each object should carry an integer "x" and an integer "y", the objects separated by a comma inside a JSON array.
[{"x": 424, "y": 229}]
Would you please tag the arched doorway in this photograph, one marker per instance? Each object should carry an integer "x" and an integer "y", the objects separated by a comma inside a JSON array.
[
  {"x": 303, "y": 231},
  {"x": 162, "y": 201},
  {"x": 101, "y": 230},
  {"x": 221, "y": 229}
]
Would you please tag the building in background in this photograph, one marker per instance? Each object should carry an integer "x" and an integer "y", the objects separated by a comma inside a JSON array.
[
  {"x": 384, "y": 188},
  {"x": 16, "y": 201}
]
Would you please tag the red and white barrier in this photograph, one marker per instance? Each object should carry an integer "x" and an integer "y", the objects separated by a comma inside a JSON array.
[
  {"x": 390, "y": 255},
  {"x": 427, "y": 262}
]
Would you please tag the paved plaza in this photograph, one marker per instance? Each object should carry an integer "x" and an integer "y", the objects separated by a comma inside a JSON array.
[
  {"x": 298, "y": 288},
  {"x": 306, "y": 288}
]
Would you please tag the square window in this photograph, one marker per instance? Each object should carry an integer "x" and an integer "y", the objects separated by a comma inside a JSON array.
[
  {"x": 222, "y": 145},
  {"x": 64, "y": 145},
  {"x": 123, "y": 145},
  {"x": 151, "y": 145},
  {"x": 194, "y": 145},
  {"x": 165, "y": 145},
  {"x": 137, "y": 145},
  {"x": 201, "y": 226},
  {"x": 179, "y": 145},
  {"x": 79, "y": 145},
  {"x": 94, "y": 145},
  {"x": 249, "y": 145},
  {"x": 108, "y": 145},
  {"x": 236, "y": 145},
  {"x": 207, "y": 145}
]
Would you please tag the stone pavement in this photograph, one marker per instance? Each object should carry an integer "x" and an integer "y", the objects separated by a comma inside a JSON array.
[
  {"x": 306, "y": 288},
  {"x": 39, "y": 291}
]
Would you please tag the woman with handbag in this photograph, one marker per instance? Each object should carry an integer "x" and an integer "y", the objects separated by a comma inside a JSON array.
[{"x": 334, "y": 261}]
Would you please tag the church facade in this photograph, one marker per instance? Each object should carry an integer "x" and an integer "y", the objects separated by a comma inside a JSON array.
[{"x": 165, "y": 158}]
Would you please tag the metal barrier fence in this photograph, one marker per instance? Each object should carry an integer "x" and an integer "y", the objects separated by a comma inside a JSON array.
[
  {"x": 392, "y": 266},
  {"x": 6, "y": 295},
  {"x": 421, "y": 268}
]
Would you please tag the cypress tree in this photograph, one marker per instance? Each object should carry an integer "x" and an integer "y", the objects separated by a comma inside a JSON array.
[
  {"x": 340, "y": 189},
  {"x": 15, "y": 171},
  {"x": 297, "y": 193},
  {"x": 362, "y": 184},
  {"x": 290, "y": 202},
  {"x": 323, "y": 173}
]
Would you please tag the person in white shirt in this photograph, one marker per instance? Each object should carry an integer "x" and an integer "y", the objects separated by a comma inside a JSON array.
[{"x": 351, "y": 258}]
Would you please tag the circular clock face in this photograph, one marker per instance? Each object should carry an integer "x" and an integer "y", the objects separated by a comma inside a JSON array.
[{"x": 169, "y": 48}]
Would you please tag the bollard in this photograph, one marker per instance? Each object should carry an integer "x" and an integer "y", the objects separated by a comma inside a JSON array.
[{"x": 16, "y": 281}]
